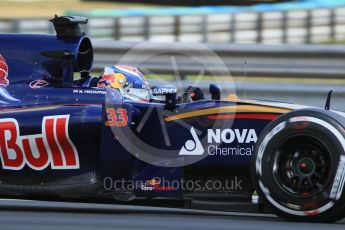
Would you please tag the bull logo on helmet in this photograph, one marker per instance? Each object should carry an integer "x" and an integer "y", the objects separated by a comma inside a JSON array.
[
  {"x": 128, "y": 80},
  {"x": 111, "y": 79}
]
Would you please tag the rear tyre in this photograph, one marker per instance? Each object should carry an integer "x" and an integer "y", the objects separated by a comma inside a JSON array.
[{"x": 298, "y": 167}]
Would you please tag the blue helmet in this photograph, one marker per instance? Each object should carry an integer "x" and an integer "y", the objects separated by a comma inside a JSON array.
[{"x": 128, "y": 80}]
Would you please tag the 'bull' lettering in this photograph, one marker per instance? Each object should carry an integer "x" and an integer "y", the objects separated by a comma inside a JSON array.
[{"x": 52, "y": 147}]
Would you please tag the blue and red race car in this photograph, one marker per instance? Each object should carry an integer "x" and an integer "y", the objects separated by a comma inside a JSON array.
[{"x": 67, "y": 138}]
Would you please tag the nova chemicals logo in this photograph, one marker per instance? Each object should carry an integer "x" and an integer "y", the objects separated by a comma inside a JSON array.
[
  {"x": 235, "y": 142},
  {"x": 192, "y": 147},
  {"x": 231, "y": 135}
]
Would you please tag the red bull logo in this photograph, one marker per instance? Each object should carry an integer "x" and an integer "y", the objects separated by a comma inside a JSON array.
[
  {"x": 109, "y": 78},
  {"x": 52, "y": 147},
  {"x": 106, "y": 81},
  {"x": 114, "y": 80},
  {"x": 152, "y": 182},
  {"x": 155, "y": 185}
]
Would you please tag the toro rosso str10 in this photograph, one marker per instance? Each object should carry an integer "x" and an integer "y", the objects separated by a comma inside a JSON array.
[{"x": 69, "y": 139}]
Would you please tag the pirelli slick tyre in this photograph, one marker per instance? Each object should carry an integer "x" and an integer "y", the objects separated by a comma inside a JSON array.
[{"x": 298, "y": 167}]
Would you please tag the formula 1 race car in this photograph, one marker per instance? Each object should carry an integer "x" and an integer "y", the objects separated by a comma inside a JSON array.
[{"x": 64, "y": 138}]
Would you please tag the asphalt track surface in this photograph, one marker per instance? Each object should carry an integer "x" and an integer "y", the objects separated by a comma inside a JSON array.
[{"x": 27, "y": 214}]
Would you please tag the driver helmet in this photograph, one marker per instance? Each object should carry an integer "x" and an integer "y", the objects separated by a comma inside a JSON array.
[{"x": 128, "y": 80}]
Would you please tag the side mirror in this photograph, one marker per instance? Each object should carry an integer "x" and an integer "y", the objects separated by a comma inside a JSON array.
[
  {"x": 170, "y": 96},
  {"x": 215, "y": 91}
]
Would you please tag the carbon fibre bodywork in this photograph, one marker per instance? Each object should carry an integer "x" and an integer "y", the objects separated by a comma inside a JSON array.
[
  {"x": 104, "y": 158},
  {"x": 67, "y": 138}
]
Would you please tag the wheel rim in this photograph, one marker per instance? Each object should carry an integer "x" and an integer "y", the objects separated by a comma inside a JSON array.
[{"x": 302, "y": 165}]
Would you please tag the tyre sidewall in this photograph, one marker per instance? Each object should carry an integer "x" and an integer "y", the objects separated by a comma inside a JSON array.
[{"x": 285, "y": 204}]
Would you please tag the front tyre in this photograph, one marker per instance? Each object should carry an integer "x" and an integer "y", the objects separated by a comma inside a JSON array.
[{"x": 298, "y": 167}]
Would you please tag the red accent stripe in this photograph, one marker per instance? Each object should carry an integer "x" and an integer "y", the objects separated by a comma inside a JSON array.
[
  {"x": 244, "y": 116},
  {"x": 49, "y": 126},
  {"x": 67, "y": 149}
]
